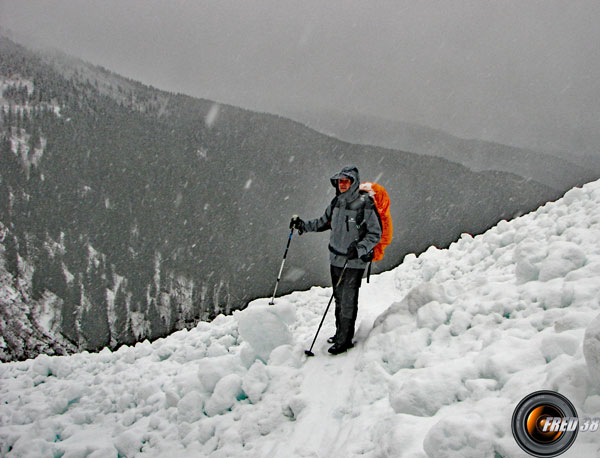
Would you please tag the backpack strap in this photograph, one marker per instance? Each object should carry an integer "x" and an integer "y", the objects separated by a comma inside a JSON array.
[{"x": 359, "y": 205}]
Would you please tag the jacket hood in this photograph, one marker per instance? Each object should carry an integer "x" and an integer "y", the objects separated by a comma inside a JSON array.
[{"x": 351, "y": 172}]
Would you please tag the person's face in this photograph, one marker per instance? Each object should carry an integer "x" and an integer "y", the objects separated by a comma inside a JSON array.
[{"x": 344, "y": 184}]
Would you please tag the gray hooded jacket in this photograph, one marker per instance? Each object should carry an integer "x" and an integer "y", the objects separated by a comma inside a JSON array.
[{"x": 341, "y": 217}]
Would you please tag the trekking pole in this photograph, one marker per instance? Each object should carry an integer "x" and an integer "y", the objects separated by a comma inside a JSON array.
[
  {"x": 281, "y": 268},
  {"x": 309, "y": 352}
]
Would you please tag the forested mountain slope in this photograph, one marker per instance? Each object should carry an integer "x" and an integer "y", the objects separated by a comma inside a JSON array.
[{"x": 129, "y": 212}]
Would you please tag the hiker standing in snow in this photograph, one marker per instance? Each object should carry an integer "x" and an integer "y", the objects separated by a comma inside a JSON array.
[{"x": 355, "y": 230}]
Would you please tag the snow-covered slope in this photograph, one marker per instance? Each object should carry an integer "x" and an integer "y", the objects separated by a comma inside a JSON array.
[{"x": 447, "y": 345}]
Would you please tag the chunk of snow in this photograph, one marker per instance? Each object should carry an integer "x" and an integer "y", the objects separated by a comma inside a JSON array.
[
  {"x": 563, "y": 258},
  {"x": 264, "y": 329},
  {"x": 424, "y": 391},
  {"x": 255, "y": 381},
  {"x": 467, "y": 436},
  {"x": 212, "y": 369},
  {"x": 225, "y": 395}
]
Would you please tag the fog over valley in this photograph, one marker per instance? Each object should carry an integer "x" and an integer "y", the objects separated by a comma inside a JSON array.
[{"x": 524, "y": 74}]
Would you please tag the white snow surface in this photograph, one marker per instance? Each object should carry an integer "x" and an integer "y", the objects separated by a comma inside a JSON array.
[{"x": 447, "y": 344}]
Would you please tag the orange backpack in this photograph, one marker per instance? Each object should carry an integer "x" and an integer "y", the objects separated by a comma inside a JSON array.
[{"x": 382, "y": 203}]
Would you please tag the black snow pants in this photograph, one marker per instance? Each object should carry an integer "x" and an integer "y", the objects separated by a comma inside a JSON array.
[{"x": 346, "y": 303}]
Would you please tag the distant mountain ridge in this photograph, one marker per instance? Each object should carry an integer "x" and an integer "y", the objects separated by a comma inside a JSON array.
[
  {"x": 129, "y": 212},
  {"x": 478, "y": 155}
]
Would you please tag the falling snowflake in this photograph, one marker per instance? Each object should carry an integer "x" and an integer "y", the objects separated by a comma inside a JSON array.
[{"x": 212, "y": 115}]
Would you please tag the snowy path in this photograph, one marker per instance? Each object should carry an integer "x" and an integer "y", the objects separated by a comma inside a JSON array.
[
  {"x": 447, "y": 345},
  {"x": 327, "y": 385},
  {"x": 322, "y": 428}
]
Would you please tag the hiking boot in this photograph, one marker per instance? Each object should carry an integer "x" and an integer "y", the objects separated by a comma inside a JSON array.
[
  {"x": 336, "y": 349},
  {"x": 331, "y": 339}
]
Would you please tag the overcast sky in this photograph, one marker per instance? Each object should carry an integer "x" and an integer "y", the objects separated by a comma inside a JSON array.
[{"x": 523, "y": 72}]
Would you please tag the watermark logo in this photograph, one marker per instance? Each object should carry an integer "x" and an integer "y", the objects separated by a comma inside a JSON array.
[{"x": 545, "y": 424}]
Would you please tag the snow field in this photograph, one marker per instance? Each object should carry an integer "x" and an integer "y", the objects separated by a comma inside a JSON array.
[{"x": 447, "y": 345}]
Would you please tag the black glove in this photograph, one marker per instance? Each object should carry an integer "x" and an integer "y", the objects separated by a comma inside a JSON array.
[
  {"x": 367, "y": 257},
  {"x": 352, "y": 252},
  {"x": 297, "y": 223}
]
